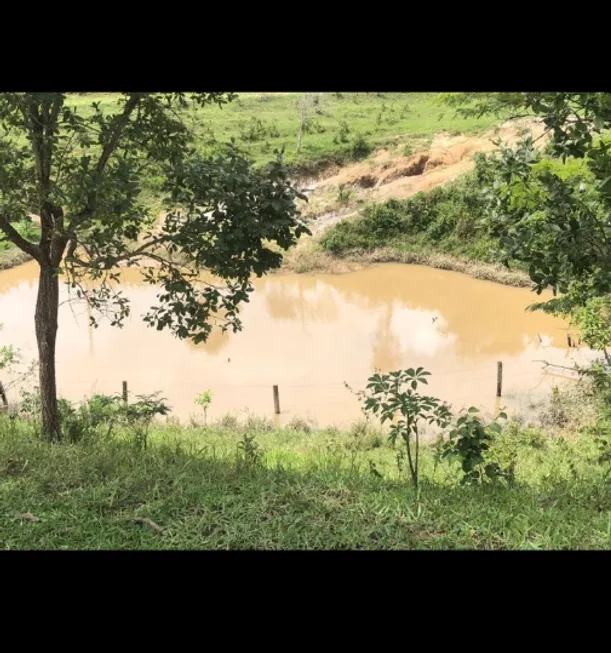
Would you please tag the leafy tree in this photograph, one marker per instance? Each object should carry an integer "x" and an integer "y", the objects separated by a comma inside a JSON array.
[
  {"x": 559, "y": 225},
  {"x": 84, "y": 173}
]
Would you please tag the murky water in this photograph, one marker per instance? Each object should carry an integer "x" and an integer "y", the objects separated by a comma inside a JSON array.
[{"x": 308, "y": 334}]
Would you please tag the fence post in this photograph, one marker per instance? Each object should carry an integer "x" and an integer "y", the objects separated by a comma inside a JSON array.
[
  {"x": 499, "y": 378},
  {"x": 3, "y": 395},
  {"x": 276, "y": 400},
  {"x": 125, "y": 391}
]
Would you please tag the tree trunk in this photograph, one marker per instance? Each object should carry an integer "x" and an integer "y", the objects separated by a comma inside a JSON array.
[{"x": 47, "y": 308}]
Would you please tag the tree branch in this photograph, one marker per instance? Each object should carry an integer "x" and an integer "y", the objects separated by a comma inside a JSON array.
[
  {"x": 120, "y": 122},
  {"x": 17, "y": 239},
  {"x": 141, "y": 251}
]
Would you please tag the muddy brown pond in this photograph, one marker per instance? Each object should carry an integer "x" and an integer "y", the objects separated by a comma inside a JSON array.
[{"x": 309, "y": 334}]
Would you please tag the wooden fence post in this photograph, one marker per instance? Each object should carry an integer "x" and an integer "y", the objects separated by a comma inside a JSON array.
[
  {"x": 3, "y": 395},
  {"x": 499, "y": 379},
  {"x": 125, "y": 391},
  {"x": 276, "y": 400}
]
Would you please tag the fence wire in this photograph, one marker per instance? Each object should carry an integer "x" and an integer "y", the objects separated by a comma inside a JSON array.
[{"x": 490, "y": 373}]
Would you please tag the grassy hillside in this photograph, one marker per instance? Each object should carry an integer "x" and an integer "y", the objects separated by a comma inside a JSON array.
[
  {"x": 262, "y": 122},
  {"x": 11, "y": 255},
  {"x": 442, "y": 227},
  {"x": 237, "y": 486},
  {"x": 341, "y": 127}
]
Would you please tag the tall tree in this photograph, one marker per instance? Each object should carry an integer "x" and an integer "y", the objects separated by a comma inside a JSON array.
[{"x": 84, "y": 172}]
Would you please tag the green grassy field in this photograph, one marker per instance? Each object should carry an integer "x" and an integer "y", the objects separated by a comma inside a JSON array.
[
  {"x": 232, "y": 486},
  {"x": 263, "y": 122}
]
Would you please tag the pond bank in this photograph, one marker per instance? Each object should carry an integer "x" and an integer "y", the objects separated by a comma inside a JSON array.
[
  {"x": 308, "y": 257},
  {"x": 13, "y": 257}
]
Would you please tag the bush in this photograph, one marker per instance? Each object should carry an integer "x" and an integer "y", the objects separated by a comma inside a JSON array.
[
  {"x": 360, "y": 148},
  {"x": 469, "y": 442},
  {"x": 448, "y": 217}
]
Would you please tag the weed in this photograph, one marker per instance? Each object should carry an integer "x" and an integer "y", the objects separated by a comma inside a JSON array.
[
  {"x": 228, "y": 422},
  {"x": 344, "y": 130},
  {"x": 343, "y": 194},
  {"x": 249, "y": 453},
  {"x": 469, "y": 442},
  {"x": 360, "y": 148},
  {"x": 299, "y": 425},
  {"x": 204, "y": 399},
  {"x": 256, "y": 423},
  {"x": 253, "y": 129}
]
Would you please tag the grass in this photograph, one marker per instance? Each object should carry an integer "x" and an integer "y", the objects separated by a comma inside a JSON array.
[
  {"x": 440, "y": 228},
  {"x": 244, "y": 486},
  {"x": 310, "y": 257},
  {"x": 264, "y": 122},
  {"x": 11, "y": 257}
]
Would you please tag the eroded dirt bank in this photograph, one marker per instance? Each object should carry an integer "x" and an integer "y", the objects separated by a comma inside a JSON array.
[{"x": 341, "y": 192}]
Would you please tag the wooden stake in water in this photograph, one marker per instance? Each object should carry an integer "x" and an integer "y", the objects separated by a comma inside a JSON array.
[
  {"x": 276, "y": 400},
  {"x": 125, "y": 391},
  {"x": 499, "y": 379},
  {"x": 3, "y": 395}
]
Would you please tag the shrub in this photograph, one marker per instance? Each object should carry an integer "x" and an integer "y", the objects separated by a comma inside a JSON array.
[
  {"x": 469, "y": 442},
  {"x": 360, "y": 148},
  {"x": 448, "y": 217},
  {"x": 299, "y": 425},
  {"x": 343, "y": 194}
]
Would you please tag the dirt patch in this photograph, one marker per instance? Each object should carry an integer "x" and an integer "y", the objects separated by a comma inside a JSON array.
[
  {"x": 366, "y": 181},
  {"x": 447, "y": 157},
  {"x": 397, "y": 177},
  {"x": 417, "y": 167},
  {"x": 328, "y": 219}
]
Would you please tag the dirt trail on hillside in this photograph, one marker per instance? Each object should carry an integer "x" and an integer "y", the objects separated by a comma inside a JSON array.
[{"x": 387, "y": 175}]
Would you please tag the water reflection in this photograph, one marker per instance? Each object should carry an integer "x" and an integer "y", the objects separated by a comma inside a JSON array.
[{"x": 307, "y": 334}]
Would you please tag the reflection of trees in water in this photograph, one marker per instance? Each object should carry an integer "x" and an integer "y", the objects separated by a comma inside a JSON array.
[
  {"x": 487, "y": 318},
  {"x": 143, "y": 295},
  {"x": 306, "y": 298},
  {"x": 387, "y": 354},
  {"x": 217, "y": 341},
  {"x": 26, "y": 273}
]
